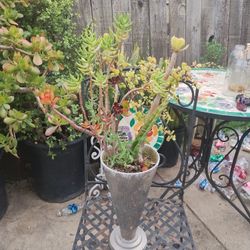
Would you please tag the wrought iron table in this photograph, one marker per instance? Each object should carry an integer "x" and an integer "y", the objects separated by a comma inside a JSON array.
[{"x": 216, "y": 108}]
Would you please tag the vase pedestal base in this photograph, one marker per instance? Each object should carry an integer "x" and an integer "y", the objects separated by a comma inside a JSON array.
[{"x": 116, "y": 241}]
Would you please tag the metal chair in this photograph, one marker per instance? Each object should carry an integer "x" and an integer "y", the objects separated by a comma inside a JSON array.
[{"x": 164, "y": 219}]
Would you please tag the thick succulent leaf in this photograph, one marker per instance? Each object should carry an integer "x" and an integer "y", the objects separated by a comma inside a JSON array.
[
  {"x": 37, "y": 60},
  {"x": 51, "y": 130}
]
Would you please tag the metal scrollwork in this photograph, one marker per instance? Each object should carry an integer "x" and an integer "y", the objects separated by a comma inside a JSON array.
[
  {"x": 225, "y": 180},
  {"x": 189, "y": 85},
  {"x": 95, "y": 191},
  {"x": 95, "y": 155}
]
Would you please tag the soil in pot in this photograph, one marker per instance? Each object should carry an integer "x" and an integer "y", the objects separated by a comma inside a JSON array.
[
  {"x": 3, "y": 196},
  {"x": 59, "y": 179},
  {"x": 170, "y": 150}
]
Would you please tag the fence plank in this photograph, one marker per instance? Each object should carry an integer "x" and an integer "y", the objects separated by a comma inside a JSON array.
[
  {"x": 154, "y": 22},
  {"x": 83, "y": 13},
  {"x": 235, "y": 24},
  {"x": 121, "y": 6},
  {"x": 222, "y": 22},
  {"x": 102, "y": 15},
  {"x": 207, "y": 22},
  {"x": 245, "y": 33},
  {"x": 140, "y": 29},
  {"x": 177, "y": 21},
  {"x": 118, "y": 7},
  {"x": 193, "y": 30},
  {"x": 158, "y": 28}
]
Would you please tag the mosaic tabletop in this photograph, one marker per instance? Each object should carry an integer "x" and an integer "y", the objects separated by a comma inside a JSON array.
[{"x": 214, "y": 98}]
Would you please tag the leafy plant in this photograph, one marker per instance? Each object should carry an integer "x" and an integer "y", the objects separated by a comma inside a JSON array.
[
  {"x": 240, "y": 126},
  {"x": 25, "y": 66},
  {"x": 54, "y": 19},
  {"x": 123, "y": 156},
  {"x": 112, "y": 89},
  {"x": 214, "y": 53}
]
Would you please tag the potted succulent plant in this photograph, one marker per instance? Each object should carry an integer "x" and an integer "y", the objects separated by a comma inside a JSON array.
[
  {"x": 25, "y": 66},
  {"x": 112, "y": 91}
]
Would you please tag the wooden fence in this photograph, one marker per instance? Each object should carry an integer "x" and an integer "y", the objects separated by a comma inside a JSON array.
[{"x": 155, "y": 21}]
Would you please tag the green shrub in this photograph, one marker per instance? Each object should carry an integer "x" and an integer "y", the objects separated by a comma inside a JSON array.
[
  {"x": 214, "y": 53},
  {"x": 55, "y": 19}
]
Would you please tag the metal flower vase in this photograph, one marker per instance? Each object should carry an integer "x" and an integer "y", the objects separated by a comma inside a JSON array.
[{"x": 129, "y": 193}]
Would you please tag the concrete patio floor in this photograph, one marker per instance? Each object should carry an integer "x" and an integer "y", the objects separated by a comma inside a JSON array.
[{"x": 31, "y": 223}]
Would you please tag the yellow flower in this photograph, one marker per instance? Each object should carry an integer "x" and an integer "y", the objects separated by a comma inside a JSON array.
[
  {"x": 177, "y": 44},
  {"x": 115, "y": 72},
  {"x": 152, "y": 59}
]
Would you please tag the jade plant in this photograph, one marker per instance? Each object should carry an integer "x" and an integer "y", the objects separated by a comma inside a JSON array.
[
  {"x": 109, "y": 87},
  {"x": 25, "y": 63}
]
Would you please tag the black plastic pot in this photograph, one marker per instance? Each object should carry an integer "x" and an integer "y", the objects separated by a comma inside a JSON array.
[
  {"x": 3, "y": 195},
  {"x": 170, "y": 150},
  {"x": 59, "y": 179}
]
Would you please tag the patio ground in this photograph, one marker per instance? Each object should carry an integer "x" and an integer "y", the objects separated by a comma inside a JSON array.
[{"x": 31, "y": 223}]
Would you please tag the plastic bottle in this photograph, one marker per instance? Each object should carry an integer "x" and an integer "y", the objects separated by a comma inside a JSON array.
[
  {"x": 203, "y": 184},
  {"x": 214, "y": 168},
  {"x": 245, "y": 191},
  {"x": 70, "y": 209},
  {"x": 178, "y": 183},
  {"x": 248, "y": 65},
  {"x": 236, "y": 76},
  {"x": 243, "y": 163}
]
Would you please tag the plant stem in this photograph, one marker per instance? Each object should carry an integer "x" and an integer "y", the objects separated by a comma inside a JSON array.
[
  {"x": 131, "y": 92},
  {"x": 100, "y": 105},
  {"x": 114, "y": 124},
  {"x": 116, "y": 93},
  {"x": 157, "y": 99},
  {"x": 107, "y": 102},
  {"x": 72, "y": 123},
  {"x": 153, "y": 113},
  {"x": 171, "y": 65},
  {"x": 91, "y": 89},
  {"x": 82, "y": 107},
  {"x": 40, "y": 104},
  {"x": 4, "y": 47}
]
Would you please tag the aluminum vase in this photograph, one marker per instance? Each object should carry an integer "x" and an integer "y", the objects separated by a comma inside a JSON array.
[{"x": 129, "y": 193}]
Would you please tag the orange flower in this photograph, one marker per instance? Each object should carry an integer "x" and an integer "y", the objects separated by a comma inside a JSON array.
[
  {"x": 48, "y": 97},
  {"x": 96, "y": 127},
  {"x": 85, "y": 125}
]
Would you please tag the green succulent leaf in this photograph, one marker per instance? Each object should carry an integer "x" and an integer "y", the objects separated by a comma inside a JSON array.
[{"x": 37, "y": 60}]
